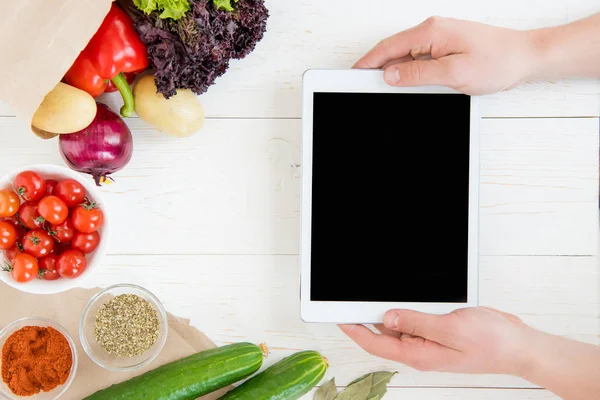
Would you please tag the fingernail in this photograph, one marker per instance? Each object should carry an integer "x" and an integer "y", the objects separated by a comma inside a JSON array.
[
  {"x": 391, "y": 320},
  {"x": 392, "y": 75}
]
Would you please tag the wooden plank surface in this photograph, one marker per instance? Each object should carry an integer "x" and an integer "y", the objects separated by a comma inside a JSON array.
[
  {"x": 234, "y": 188},
  {"x": 254, "y": 298},
  {"x": 539, "y": 185},
  {"x": 462, "y": 394},
  {"x": 335, "y": 33},
  {"x": 210, "y": 223}
]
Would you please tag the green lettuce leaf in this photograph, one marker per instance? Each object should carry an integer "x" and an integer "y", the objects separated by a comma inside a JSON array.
[
  {"x": 147, "y": 6},
  {"x": 173, "y": 9},
  {"x": 224, "y": 5}
]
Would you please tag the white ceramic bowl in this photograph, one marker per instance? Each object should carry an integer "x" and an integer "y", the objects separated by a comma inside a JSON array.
[
  {"x": 39, "y": 286},
  {"x": 54, "y": 394},
  {"x": 87, "y": 336}
]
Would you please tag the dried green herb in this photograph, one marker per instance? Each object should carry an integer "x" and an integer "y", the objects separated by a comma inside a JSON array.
[
  {"x": 327, "y": 391},
  {"x": 357, "y": 391},
  {"x": 126, "y": 326}
]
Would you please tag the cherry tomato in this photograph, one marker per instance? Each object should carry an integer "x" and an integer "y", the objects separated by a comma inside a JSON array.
[
  {"x": 12, "y": 252},
  {"x": 20, "y": 228},
  {"x": 47, "y": 267},
  {"x": 63, "y": 233},
  {"x": 30, "y": 217},
  {"x": 30, "y": 186},
  {"x": 71, "y": 192},
  {"x": 71, "y": 264},
  {"x": 9, "y": 203},
  {"x": 37, "y": 243},
  {"x": 50, "y": 185},
  {"x": 53, "y": 210},
  {"x": 87, "y": 217},
  {"x": 85, "y": 242},
  {"x": 60, "y": 248},
  {"x": 24, "y": 267},
  {"x": 8, "y": 235}
]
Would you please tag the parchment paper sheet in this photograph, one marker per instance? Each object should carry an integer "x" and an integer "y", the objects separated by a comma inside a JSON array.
[{"x": 66, "y": 309}]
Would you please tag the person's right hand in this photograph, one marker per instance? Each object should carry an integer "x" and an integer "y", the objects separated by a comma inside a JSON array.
[
  {"x": 469, "y": 340},
  {"x": 470, "y": 57}
]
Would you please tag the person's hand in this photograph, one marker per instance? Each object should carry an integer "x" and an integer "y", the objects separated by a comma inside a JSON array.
[
  {"x": 470, "y": 57},
  {"x": 469, "y": 340}
]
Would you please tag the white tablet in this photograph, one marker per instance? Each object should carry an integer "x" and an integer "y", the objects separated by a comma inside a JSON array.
[{"x": 389, "y": 198}]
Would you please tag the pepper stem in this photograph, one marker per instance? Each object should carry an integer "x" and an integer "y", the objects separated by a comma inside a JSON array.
[{"x": 125, "y": 90}]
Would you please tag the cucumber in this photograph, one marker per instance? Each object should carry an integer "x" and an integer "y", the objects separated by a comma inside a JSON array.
[
  {"x": 189, "y": 377},
  {"x": 289, "y": 379}
]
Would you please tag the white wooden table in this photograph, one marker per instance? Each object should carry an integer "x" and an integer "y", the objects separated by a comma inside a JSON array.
[{"x": 210, "y": 224}]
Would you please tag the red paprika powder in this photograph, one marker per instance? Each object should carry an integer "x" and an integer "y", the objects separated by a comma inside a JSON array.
[{"x": 35, "y": 358}]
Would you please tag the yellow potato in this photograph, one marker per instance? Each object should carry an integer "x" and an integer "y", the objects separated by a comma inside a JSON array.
[
  {"x": 181, "y": 115},
  {"x": 65, "y": 109}
]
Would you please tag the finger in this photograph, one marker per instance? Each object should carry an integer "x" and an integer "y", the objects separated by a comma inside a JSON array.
[
  {"x": 416, "y": 40},
  {"x": 414, "y": 352},
  {"x": 437, "y": 328},
  {"x": 420, "y": 73},
  {"x": 348, "y": 328},
  {"x": 385, "y": 331},
  {"x": 396, "y": 61}
]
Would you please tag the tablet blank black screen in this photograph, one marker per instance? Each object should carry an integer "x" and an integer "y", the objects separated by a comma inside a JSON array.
[{"x": 390, "y": 197}]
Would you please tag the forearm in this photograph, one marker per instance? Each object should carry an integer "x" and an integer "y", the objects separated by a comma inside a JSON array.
[
  {"x": 567, "y": 51},
  {"x": 566, "y": 367}
]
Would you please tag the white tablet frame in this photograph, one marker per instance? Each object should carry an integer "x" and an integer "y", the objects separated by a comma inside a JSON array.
[{"x": 371, "y": 81}]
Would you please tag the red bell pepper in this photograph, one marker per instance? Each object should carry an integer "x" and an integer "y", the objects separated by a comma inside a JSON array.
[{"x": 115, "y": 49}]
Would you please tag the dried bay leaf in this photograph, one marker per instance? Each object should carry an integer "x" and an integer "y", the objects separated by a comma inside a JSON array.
[
  {"x": 357, "y": 390},
  {"x": 375, "y": 398},
  {"x": 360, "y": 378},
  {"x": 328, "y": 391},
  {"x": 379, "y": 384}
]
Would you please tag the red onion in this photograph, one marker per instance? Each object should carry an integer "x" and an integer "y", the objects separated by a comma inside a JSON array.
[{"x": 104, "y": 147}]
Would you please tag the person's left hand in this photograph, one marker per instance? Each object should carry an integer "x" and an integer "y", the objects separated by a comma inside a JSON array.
[{"x": 470, "y": 57}]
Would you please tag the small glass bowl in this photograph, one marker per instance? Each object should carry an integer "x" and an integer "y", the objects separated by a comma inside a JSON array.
[
  {"x": 101, "y": 356},
  {"x": 14, "y": 326}
]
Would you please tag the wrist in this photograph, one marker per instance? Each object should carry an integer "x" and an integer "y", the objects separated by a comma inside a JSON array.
[
  {"x": 539, "y": 42},
  {"x": 569, "y": 50},
  {"x": 537, "y": 355},
  {"x": 528, "y": 356}
]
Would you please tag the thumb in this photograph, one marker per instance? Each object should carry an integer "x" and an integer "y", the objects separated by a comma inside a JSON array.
[
  {"x": 428, "y": 326},
  {"x": 419, "y": 73}
]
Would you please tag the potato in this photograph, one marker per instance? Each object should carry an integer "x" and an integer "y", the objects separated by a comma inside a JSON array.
[
  {"x": 180, "y": 116},
  {"x": 65, "y": 109}
]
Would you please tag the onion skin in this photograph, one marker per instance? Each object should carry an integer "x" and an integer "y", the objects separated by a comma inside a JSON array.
[{"x": 104, "y": 147}]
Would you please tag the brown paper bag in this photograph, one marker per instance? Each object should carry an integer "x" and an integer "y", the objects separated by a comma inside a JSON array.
[
  {"x": 39, "y": 41},
  {"x": 66, "y": 309}
]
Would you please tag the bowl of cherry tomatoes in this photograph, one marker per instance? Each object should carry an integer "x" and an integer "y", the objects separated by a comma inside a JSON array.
[{"x": 53, "y": 229}]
